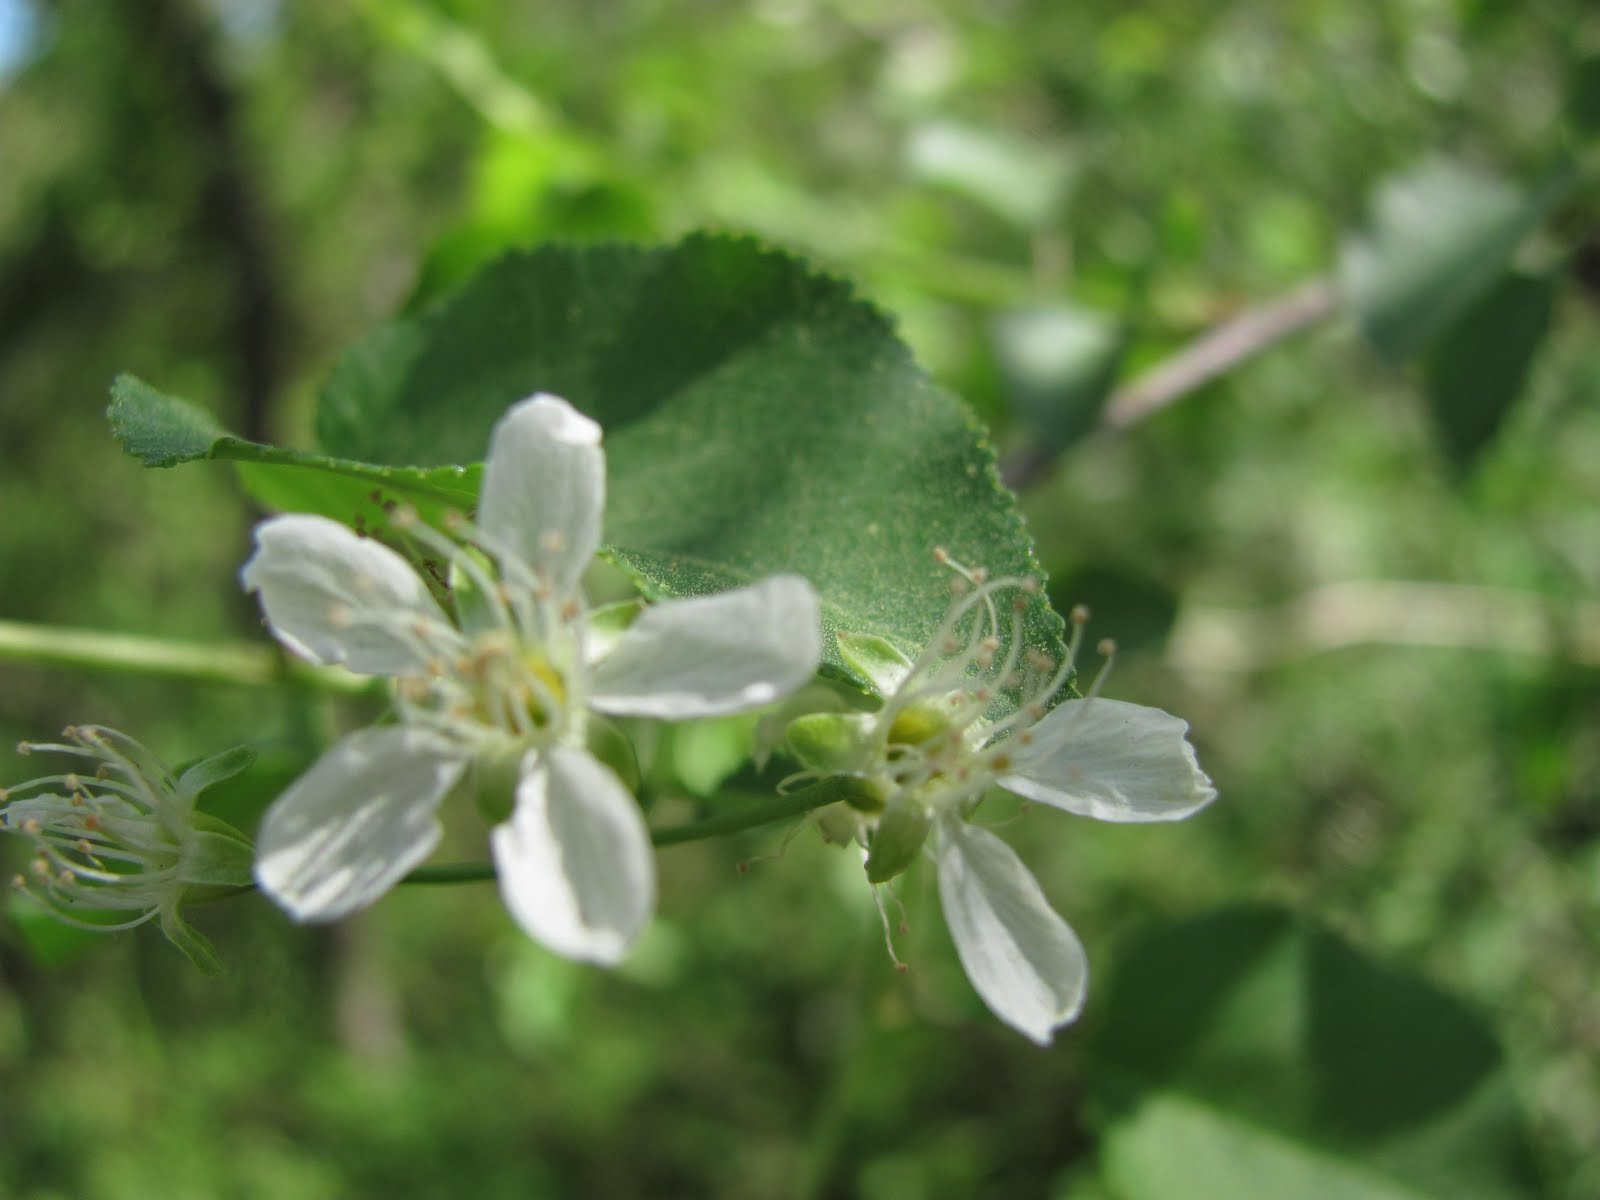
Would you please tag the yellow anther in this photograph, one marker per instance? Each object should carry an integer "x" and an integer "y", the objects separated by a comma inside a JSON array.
[
  {"x": 31, "y": 827},
  {"x": 1079, "y": 614},
  {"x": 1107, "y": 647}
]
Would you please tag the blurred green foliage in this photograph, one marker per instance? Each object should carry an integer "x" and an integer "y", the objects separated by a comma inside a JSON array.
[{"x": 219, "y": 196}]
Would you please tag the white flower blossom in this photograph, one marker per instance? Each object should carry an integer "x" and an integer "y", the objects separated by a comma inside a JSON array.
[
  {"x": 970, "y": 713},
  {"x": 499, "y": 680},
  {"x": 121, "y": 835}
]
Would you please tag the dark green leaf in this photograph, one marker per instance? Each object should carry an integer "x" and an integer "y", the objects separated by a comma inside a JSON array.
[
  {"x": 758, "y": 416},
  {"x": 1441, "y": 233},
  {"x": 1583, "y": 94},
  {"x": 1252, "y": 1054},
  {"x": 1479, "y": 365}
]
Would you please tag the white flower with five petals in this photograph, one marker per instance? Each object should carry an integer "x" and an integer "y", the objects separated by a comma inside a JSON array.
[
  {"x": 946, "y": 733},
  {"x": 499, "y": 678}
]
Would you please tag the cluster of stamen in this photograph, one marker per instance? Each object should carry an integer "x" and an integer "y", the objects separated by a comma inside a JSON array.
[
  {"x": 972, "y": 697},
  {"x": 510, "y": 666},
  {"x": 108, "y": 838}
]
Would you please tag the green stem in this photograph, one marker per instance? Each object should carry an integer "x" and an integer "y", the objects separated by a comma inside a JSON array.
[
  {"x": 746, "y": 816},
  {"x": 135, "y": 654}
]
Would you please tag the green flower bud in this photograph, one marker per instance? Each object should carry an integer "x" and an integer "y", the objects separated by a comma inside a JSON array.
[{"x": 832, "y": 743}]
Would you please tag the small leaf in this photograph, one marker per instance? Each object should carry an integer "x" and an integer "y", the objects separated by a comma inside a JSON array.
[
  {"x": 1440, "y": 235},
  {"x": 163, "y": 431},
  {"x": 159, "y": 430},
  {"x": 1480, "y": 364}
]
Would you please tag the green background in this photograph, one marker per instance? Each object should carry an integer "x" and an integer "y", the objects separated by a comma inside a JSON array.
[{"x": 1369, "y": 970}]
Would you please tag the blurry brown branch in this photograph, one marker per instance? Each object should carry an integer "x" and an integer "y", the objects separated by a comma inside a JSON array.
[
  {"x": 1218, "y": 351},
  {"x": 1213, "y": 353}
]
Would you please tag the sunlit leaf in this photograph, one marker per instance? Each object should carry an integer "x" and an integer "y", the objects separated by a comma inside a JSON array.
[
  {"x": 758, "y": 418},
  {"x": 1024, "y": 181}
]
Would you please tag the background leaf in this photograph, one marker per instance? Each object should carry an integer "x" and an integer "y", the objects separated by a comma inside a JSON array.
[
  {"x": 1480, "y": 364},
  {"x": 758, "y": 418},
  {"x": 1440, "y": 234},
  {"x": 1253, "y": 1054},
  {"x": 1059, "y": 362}
]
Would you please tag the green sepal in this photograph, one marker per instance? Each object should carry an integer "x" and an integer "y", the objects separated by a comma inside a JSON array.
[
  {"x": 614, "y": 748},
  {"x": 897, "y": 840},
  {"x": 608, "y": 622},
  {"x": 217, "y": 855},
  {"x": 474, "y": 610},
  {"x": 839, "y": 823},
  {"x": 879, "y": 659},
  {"x": 211, "y": 771},
  {"x": 491, "y": 781},
  {"x": 190, "y": 942}
]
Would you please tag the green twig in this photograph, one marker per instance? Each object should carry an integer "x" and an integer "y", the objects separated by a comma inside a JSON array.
[
  {"x": 746, "y": 816},
  {"x": 136, "y": 654}
]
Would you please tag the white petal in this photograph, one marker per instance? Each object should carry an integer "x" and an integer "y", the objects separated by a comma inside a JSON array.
[
  {"x": 544, "y": 488},
  {"x": 1113, "y": 761},
  {"x": 358, "y": 820},
  {"x": 333, "y": 597},
  {"x": 575, "y": 865},
  {"x": 713, "y": 655},
  {"x": 1021, "y": 957}
]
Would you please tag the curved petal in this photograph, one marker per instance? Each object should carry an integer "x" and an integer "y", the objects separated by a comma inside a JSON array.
[
  {"x": 1113, "y": 761},
  {"x": 358, "y": 820},
  {"x": 575, "y": 865},
  {"x": 1021, "y": 957},
  {"x": 713, "y": 655},
  {"x": 333, "y": 597},
  {"x": 544, "y": 488}
]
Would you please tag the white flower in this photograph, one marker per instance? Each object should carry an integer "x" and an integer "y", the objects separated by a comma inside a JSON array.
[
  {"x": 122, "y": 836},
  {"x": 502, "y": 685},
  {"x": 972, "y": 712}
]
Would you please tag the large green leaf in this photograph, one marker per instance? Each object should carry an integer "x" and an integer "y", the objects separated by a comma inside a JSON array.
[
  {"x": 1440, "y": 234},
  {"x": 759, "y": 418},
  {"x": 1477, "y": 368},
  {"x": 1251, "y": 1054}
]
